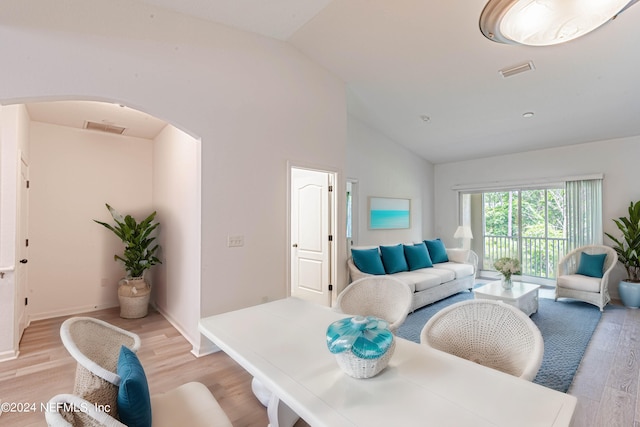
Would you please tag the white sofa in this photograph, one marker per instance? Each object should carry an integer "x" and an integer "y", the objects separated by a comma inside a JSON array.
[{"x": 432, "y": 284}]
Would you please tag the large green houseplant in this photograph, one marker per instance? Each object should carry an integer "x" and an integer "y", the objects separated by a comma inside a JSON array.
[
  {"x": 628, "y": 250},
  {"x": 139, "y": 256}
]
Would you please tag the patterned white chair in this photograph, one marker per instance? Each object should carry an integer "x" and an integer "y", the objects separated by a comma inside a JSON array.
[
  {"x": 593, "y": 290},
  {"x": 381, "y": 296},
  {"x": 490, "y": 333}
]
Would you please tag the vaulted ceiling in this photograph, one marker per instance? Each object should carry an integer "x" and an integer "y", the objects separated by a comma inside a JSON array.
[{"x": 422, "y": 73}]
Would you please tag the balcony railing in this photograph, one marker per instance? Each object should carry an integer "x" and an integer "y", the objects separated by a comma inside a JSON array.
[{"x": 539, "y": 256}]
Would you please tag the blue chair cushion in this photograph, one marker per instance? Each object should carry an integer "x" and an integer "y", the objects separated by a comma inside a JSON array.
[
  {"x": 437, "y": 251},
  {"x": 393, "y": 259},
  {"x": 591, "y": 265},
  {"x": 368, "y": 260},
  {"x": 134, "y": 402},
  {"x": 417, "y": 256}
]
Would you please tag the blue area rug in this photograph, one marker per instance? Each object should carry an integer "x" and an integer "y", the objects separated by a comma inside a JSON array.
[{"x": 566, "y": 328}]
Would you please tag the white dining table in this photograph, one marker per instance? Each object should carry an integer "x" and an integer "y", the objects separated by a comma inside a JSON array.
[{"x": 283, "y": 345}]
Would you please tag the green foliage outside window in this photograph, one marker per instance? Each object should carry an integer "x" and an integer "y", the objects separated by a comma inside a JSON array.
[{"x": 528, "y": 225}]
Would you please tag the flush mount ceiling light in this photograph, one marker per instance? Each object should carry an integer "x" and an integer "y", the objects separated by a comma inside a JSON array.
[{"x": 546, "y": 22}]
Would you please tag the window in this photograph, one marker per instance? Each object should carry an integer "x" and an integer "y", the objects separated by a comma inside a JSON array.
[
  {"x": 536, "y": 222},
  {"x": 528, "y": 225}
]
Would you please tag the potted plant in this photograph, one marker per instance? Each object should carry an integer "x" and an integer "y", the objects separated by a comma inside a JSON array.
[
  {"x": 628, "y": 250},
  {"x": 138, "y": 256}
]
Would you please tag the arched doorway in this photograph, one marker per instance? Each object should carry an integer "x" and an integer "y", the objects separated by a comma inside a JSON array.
[{"x": 78, "y": 162}]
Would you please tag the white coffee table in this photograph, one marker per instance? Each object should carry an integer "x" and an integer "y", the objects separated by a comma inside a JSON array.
[{"x": 523, "y": 295}]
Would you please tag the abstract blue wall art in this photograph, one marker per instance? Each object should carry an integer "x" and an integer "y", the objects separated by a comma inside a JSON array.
[{"x": 389, "y": 213}]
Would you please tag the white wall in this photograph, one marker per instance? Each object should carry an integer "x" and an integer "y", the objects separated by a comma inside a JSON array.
[
  {"x": 385, "y": 169},
  {"x": 617, "y": 159},
  {"x": 14, "y": 140},
  {"x": 254, "y": 102},
  {"x": 74, "y": 173},
  {"x": 176, "y": 198}
]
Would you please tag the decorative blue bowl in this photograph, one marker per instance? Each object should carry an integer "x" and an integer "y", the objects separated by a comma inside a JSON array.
[{"x": 362, "y": 345}]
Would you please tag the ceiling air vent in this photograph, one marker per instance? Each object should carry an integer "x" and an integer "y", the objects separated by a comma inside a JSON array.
[
  {"x": 104, "y": 127},
  {"x": 517, "y": 69}
]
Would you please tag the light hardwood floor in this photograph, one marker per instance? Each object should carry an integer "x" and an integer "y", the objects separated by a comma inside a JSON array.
[{"x": 606, "y": 384}]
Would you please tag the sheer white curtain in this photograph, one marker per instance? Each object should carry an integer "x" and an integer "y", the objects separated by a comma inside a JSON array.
[{"x": 584, "y": 213}]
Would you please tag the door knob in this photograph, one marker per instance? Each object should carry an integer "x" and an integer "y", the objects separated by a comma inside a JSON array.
[
  {"x": 24, "y": 261},
  {"x": 295, "y": 245}
]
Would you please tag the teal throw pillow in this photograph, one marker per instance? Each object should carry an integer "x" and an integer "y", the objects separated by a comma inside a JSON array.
[
  {"x": 437, "y": 251},
  {"x": 417, "y": 256},
  {"x": 591, "y": 265},
  {"x": 368, "y": 260},
  {"x": 393, "y": 259},
  {"x": 134, "y": 402}
]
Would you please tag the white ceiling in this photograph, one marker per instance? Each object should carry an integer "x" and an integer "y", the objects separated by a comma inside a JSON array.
[
  {"x": 76, "y": 113},
  {"x": 404, "y": 59}
]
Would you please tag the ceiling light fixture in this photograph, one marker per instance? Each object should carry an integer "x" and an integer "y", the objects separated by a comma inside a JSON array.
[
  {"x": 528, "y": 114},
  {"x": 546, "y": 22},
  {"x": 425, "y": 118}
]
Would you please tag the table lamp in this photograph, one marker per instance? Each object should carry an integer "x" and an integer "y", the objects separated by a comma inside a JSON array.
[{"x": 463, "y": 232}]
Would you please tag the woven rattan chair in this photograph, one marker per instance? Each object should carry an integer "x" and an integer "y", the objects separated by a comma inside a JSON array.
[
  {"x": 95, "y": 345},
  {"x": 593, "y": 290},
  {"x": 380, "y": 296},
  {"x": 490, "y": 333}
]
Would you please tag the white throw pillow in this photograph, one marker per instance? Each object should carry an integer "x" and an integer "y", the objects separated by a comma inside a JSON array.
[{"x": 458, "y": 255}]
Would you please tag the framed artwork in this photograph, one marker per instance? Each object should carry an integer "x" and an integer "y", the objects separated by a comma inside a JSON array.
[{"x": 389, "y": 213}]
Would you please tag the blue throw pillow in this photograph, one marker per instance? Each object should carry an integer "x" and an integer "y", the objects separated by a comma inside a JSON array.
[
  {"x": 591, "y": 265},
  {"x": 368, "y": 260},
  {"x": 417, "y": 256},
  {"x": 393, "y": 259},
  {"x": 437, "y": 251},
  {"x": 134, "y": 402}
]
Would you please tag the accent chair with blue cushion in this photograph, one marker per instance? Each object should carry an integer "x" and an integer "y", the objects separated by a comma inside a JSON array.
[
  {"x": 95, "y": 345},
  {"x": 190, "y": 404},
  {"x": 583, "y": 274}
]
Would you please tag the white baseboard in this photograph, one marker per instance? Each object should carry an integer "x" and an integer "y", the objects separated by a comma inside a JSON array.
[
  {"x": 9, "y": 355},
  {"x": 196, "y": 348},
  {"x": 69, "y": 311}
]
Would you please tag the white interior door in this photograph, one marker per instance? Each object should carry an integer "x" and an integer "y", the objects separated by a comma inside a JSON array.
[
  {"x": 22, "y": 251},
  {"x": 311, "y": 243}
]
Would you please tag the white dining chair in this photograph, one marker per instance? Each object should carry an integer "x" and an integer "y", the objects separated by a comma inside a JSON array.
[
  {"x": 380, "y": 296},
  {"x": 490, "y": 333}
]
